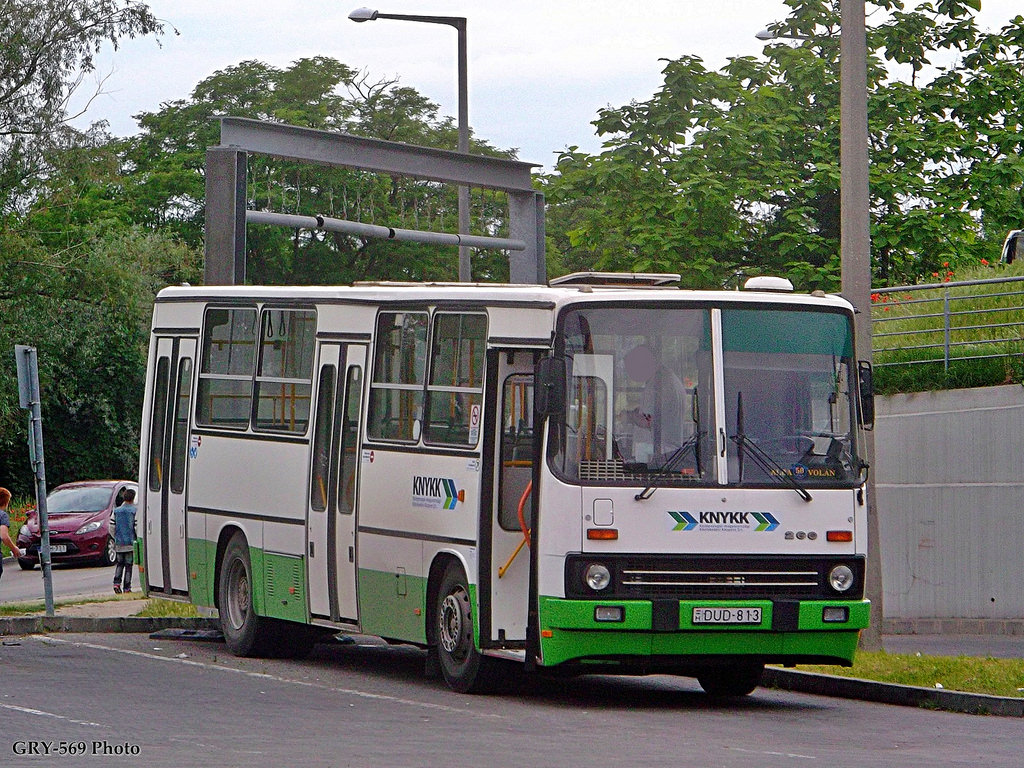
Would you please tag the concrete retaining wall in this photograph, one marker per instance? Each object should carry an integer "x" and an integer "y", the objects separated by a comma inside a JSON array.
[{"x": 949, "y": 478}]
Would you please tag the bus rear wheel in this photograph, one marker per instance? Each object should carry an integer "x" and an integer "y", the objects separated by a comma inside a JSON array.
[
  {"x": 245, "y": 633},
  {"x": 463, "y": 667},
  {"x": 731, "y": 682}
]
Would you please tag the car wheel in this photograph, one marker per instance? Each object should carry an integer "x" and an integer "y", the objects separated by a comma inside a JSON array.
[
  {"x": 109, "y": 556},
  {"x": 26, "y": 565}
]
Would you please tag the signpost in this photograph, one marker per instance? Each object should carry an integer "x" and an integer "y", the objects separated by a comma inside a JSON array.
[{"x": 28, "y": 392}]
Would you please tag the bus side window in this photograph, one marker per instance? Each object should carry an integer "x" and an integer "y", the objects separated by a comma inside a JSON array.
[
  {"x": 455, "y": 389},
  {"x": 399, "y": 364}
]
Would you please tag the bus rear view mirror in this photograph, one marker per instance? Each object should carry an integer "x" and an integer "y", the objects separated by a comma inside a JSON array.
[
  {"x": 549, "y": 386},
  {"x": 867, "y": 394}
]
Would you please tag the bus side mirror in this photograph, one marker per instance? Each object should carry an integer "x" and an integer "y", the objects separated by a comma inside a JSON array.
[
  {"x": 866, "y": 386},
  {"x": 549, "y": 386}
]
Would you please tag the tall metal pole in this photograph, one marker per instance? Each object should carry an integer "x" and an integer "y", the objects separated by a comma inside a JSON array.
[
  {"x": 465, "y": 261},
  {"x": 855, "y": 250},
  {"x": 459, "y": 22},
  {"x": 28, "y": 389}
]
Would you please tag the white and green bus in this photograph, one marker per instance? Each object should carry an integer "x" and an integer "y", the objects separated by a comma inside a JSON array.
[{"x": 603, "y": 475}]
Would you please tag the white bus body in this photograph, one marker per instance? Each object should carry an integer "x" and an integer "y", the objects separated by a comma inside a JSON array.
[{"x": 370, "y": 459}]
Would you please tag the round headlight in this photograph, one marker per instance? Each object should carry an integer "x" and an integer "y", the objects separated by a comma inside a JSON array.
[
  {"x": 597, "y": 577},
  {"x": 841, "y": 578}
]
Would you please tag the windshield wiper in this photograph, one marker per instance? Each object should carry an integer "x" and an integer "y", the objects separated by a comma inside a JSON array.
[
  {"x": 760, "y": 457},
  {"x": 691, "y": 444}
]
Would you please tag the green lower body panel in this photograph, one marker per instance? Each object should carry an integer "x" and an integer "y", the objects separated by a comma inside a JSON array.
[
  {"x": 392, "y": 605},
  {"x": 284, "y": 585},
  {"x": 139, "y": 551},
  {"x": 201, "y": 557},
  {"x": 785, "y": 633}
]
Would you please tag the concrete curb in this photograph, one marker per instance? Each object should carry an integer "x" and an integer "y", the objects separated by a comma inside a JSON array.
[
  {"x": 890, "y": 693},
  {"x": 34, "y": 625}
]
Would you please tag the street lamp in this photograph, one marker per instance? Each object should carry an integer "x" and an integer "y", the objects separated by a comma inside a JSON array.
[
  {"x": 459, "y": 22},
  {"x": 767, "y": 34}
]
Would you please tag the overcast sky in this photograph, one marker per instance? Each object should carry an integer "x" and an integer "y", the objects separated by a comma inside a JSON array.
[{"x": 539, "y": 70}]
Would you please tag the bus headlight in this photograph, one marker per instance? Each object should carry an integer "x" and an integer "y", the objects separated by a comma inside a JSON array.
[
  {"x": 597, "y": 577},
  {"x": 841, "y": 578}
]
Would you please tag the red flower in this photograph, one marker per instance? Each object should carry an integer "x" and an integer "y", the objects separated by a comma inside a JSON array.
[{"x": 984, "y": 262}]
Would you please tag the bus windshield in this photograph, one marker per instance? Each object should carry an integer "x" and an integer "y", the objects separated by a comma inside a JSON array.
[
  {"x": 643, "y": 405},
  {"x": 788, "y": 389}
]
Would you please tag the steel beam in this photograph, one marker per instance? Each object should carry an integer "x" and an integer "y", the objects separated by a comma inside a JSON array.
[{"x": 345, "y": 151}]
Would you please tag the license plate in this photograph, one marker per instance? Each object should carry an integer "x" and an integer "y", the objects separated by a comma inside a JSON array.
[
  {"x": 58, "y": 549},
  {"x": 708, "y": 615}
]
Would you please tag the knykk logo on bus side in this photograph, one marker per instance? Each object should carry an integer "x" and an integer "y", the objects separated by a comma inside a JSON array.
[{"x": 436, "y": 492}]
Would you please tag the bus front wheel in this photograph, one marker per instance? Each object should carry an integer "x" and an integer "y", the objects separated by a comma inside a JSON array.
[
  {"x": 463, "y": 667},
  {"x": 731, "y": 682},
  {"x": 245, "y": 633}
]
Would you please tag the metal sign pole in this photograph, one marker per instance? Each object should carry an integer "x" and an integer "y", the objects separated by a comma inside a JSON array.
[{"x": 28, "y": 391}]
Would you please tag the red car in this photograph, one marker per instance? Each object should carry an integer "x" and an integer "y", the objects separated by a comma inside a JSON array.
[{"x": 81, "y": 522}]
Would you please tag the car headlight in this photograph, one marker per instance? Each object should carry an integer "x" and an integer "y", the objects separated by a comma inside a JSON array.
[
  {"x": 841, "y": 578},
  {"x": 597, "y": 577},
  {"x": 89, "y": 527}
]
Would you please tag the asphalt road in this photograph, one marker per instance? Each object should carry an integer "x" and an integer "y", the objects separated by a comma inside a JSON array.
[
  {"x": 18, "y": 586},
  {"x": 173, "y": 703}
]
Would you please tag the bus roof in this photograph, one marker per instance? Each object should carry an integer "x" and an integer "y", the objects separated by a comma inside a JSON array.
[{"x": 485, "y": 294}]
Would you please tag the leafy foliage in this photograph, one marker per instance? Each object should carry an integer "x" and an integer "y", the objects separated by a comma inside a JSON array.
[
  {"x": 47, "y": 47},
  {"x": 737, "y": 170},
  {"x": 166, "y": 160}
]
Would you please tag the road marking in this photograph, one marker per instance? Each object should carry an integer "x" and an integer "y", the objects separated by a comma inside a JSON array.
[
  {"x": 279, "y": 679},
  {"x": 42, "y": 713},
  {"x": 773, "y": 754}
]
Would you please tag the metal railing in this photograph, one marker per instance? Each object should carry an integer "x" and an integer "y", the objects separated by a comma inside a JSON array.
[{"x": 952, "y": 321}]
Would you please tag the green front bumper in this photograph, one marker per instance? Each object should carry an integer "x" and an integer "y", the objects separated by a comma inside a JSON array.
[{"x": 571, "y": 633}]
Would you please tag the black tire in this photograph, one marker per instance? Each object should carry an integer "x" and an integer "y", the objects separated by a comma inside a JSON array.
[
  {"x": 25, "y": 564},
  {"x": 245, "y": 633},
  {"x": 293, "y": 640},
  {"x": 731, "y": 682},
  {"x": 109, "y": 556},
  {"x": 463, "y": 667}
]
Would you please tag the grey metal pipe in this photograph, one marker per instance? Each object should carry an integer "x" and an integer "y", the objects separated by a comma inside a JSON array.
[{"x": 387, "y": 233}]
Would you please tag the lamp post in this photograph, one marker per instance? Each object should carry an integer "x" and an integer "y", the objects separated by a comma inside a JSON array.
[
  {"x": 459, "y": 22},
  {"x": 855, "y": 244}
]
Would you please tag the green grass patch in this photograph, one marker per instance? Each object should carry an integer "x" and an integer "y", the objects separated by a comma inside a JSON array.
[
  {"x": 168, "y": 608},
  {"x": 986, "y": 334},
  {"x": 995, "y": 677}
]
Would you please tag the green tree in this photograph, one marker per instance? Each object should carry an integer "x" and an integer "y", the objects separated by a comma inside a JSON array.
[
  {"x": 164, "y": 170},
  {"x": 46, "y": 48},
  {"x": 737, "y": 171},
  {"x": 87, "y": 311}
]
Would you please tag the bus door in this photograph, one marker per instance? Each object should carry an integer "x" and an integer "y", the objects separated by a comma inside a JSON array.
[
  {"x": 164, "y": 525},
  {"x": 511, "y": 513},
  {"x": 331, "y": 510}
]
